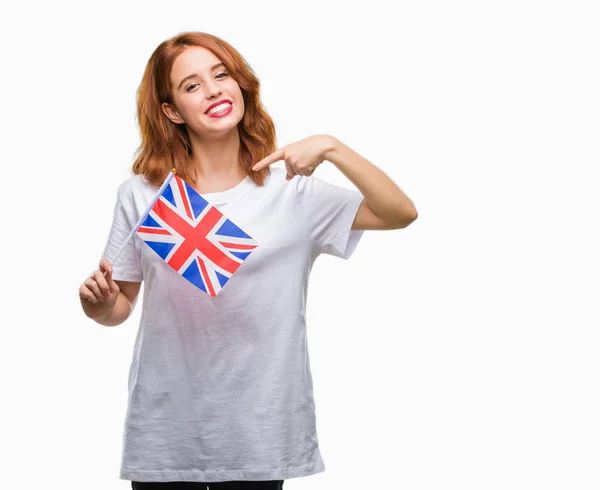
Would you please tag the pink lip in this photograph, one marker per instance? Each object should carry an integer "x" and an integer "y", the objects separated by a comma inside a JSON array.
[
  {"x": 218, "y": 102},
  {"x": 222, "y": 113}
]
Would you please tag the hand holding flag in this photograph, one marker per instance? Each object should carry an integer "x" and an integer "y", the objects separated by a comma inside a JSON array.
[{"x": 99, "y": 293}]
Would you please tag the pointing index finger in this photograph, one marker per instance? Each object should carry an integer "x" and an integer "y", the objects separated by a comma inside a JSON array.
[{"x": 273, "y": 157}]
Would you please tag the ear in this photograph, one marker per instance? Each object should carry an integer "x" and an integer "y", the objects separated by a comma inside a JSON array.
[{"x": 171, "y": 113}]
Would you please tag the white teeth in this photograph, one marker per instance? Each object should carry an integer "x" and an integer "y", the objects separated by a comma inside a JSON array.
[{"x": 219, "y": 108}]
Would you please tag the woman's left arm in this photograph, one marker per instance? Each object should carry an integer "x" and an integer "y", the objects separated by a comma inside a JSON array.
[{"x": 385, "y": 206}]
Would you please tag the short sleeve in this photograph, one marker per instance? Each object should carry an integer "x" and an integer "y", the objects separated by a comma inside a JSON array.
[
  {"x": 127, "y": 266},
  {"x": 330, "y": 211}
]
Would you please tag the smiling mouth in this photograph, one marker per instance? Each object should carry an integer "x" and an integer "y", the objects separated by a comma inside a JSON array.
[{"x": 220, "y": 110}]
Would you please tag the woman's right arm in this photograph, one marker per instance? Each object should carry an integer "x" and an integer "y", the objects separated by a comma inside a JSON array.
[{"x": 106, "y": 301}]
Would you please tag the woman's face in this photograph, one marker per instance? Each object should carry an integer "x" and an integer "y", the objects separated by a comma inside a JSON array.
[{"x": 197, "y": 83}]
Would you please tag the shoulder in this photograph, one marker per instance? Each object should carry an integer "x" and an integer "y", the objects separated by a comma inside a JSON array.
[
  {"x": 302, "y": 187},
  {"x": 132, "y": 187},
  {"x": 299, "y": 184},
  {"x": 310, "y": 185},
  {"x": 277, "y": 182},
  {"x": 276, "y": 174}
]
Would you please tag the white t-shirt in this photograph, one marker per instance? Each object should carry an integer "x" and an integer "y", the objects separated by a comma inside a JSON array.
[{"x": 220, "y": 388}]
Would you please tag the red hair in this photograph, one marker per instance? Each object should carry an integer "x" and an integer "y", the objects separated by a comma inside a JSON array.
[{"x": 166, "y": 145}]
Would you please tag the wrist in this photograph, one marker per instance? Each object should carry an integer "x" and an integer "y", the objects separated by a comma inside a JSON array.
[
  {"x": 100, "y": 314},
  {"x": 331, "y": 146}
]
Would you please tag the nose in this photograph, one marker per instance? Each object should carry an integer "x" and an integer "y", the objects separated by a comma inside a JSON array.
[{"x": 212, "y": 90}]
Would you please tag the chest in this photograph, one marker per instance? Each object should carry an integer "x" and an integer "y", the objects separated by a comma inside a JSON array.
[{"x": 279, "y": 234}]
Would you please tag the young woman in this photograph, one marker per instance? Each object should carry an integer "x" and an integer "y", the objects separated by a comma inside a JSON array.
[{"x": 220, "y": 388}]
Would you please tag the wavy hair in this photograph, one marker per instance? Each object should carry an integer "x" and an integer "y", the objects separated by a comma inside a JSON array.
[{"x": 166, "y": 145}]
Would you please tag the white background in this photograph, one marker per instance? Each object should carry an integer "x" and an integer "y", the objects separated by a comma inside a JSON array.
[{"x": 458, "y": 353}]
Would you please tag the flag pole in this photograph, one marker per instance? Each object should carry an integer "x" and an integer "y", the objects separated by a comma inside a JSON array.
[{"x": 141, "y": 220}]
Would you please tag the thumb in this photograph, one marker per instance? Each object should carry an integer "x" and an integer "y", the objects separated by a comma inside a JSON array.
[
  {"x": 290, "y": 171},
  {"x": 107, "y": 270},
  {"x": 105, "y": 266},
  {"x": 114, "y": 287},
  {"x": 108, "y": 273}
]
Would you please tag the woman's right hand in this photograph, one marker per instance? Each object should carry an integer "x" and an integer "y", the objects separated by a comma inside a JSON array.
[{"x": 98, "y": 294}]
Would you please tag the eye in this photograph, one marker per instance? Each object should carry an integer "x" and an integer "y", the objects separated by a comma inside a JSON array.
[{"x": 194, "y": 84}]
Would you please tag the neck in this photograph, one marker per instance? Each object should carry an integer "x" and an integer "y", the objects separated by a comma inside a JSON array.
[{"x": 217, "y": 158}]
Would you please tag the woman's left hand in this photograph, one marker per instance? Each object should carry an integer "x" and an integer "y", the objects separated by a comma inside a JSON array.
[{"x": 301, "y": 157}]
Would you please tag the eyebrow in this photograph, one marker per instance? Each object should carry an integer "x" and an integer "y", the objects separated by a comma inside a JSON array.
[{"x": 195, "y": 75}]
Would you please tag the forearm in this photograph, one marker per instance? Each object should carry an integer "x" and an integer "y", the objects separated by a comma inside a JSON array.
[
  {"x": 119, "y": 313},
  {"x": 385, "y": 198}
]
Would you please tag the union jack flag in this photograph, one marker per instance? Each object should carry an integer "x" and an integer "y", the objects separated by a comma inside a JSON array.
[{"x": 194, "y": 237}]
